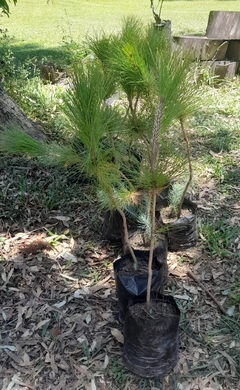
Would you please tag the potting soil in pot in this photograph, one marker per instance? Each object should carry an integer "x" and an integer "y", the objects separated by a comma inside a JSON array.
[
  {"x": 151, "y": 340},
  {"x": 131, "y": 283}
]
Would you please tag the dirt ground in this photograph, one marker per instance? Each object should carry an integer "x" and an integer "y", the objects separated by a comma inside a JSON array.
[{"x": 59, "y": 312}]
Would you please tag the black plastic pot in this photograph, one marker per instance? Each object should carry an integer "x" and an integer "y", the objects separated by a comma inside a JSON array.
[
  {"x": 150, "y": 346},
  {"x": 182, "y": 233},
  {"x": 166, "y": 27},
  {"x": 134, "y": 283}
]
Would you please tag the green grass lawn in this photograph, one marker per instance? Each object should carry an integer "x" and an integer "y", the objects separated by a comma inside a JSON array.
[{"x": 43, "y": 24}]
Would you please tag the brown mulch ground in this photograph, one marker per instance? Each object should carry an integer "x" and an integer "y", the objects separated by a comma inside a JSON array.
[{"x": 59, "y": 314}]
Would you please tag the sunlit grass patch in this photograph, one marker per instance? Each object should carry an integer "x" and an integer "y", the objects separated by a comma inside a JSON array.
[
  {"x": 233, "y": 292},
  {"x": 219, "y": 238}
]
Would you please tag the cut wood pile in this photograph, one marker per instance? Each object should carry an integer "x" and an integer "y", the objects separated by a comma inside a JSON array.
[{"x": 220, "y": 48}]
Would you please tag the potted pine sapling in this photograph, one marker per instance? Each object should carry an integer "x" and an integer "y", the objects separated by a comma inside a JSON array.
[
  {"x": 178, "y": 213},
  {"x": 130, "y": 58},
  {"x": 182, "y": 233},
  {"x": 151, "y": 326}
]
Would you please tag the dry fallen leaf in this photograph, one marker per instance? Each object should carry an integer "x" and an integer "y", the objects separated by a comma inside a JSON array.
[
  {"x": 93, "y": 385},
  {"x": 106, "y": 362},
  {"x": 4, "y": 315},
  {"x": 59, "y": 304},
  {"x": 81, "y": 292},
  {"x": 184, "y": 297},
  {"x": 117, "y": 335},
  {"x": 82, "y": 339},
  {"x": 230, "y": 311},
  {"x": 216, "y": 274},
  {"x": 55, "y": 331},
  {"x": 88, "y": 318},
  {"x": 10, "y": 347},
  {"x": 231, "y": 363},
  {"x": 42, "y": 323},
  {"x": 106, "y": 293},
  {"x": 21, "y": 311},
  {"x": 4, "y": 276},
  {"x": 23, "y": 360},
  {"x": 17, "y": 380},
  {"x": 69, "y": 257},
  {"x": 61, "y": 218}
]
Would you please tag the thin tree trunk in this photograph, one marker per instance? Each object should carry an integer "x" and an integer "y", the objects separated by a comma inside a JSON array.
[{"x": 151, "y": 249}]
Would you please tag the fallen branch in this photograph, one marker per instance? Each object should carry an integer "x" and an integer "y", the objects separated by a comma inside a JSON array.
[{"x": 191, "y": 274}]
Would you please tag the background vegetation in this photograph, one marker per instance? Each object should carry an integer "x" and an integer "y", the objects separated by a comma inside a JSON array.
[{"x": 46, "y": 23}]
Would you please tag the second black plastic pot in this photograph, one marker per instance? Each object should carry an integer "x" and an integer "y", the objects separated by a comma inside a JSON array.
[
  {"x": 134, "y": 284},
  {"x": 182, "y": 233}
]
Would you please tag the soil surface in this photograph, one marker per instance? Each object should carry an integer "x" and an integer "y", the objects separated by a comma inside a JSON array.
[
  {"x": 142, "y": 268},
  {"x": 157, "y": 310},
  {"x": 168, "y": 216}
]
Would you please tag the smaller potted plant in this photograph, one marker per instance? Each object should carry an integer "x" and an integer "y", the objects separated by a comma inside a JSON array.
[
  {"x": 161, "y": 24},
  {"x": 182, "y": 229}
]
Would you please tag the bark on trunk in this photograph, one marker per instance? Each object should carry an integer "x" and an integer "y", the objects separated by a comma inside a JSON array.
[{"x": 11, "y": 114}]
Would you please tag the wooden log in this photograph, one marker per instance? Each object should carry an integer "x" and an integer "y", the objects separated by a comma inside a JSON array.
[
  {"x": 223, "y": 25},
  {"x": 203, "y": 48}
]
